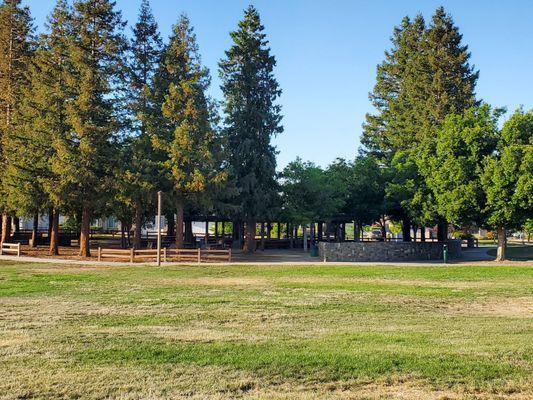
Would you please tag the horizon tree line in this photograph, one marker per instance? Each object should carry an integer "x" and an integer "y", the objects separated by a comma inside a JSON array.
[{"x": 94, "y": 122}]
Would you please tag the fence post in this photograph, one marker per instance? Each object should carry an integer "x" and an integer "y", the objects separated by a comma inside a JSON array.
[
  {"x": 199, "y": 256},
  {"x": 132, "y": 255},
  {"x": 229, "y": 254},
  {"x": 164, "y": 254},
  {"x": 99, "y": 254},
  {"x": 18, "y": 250}
]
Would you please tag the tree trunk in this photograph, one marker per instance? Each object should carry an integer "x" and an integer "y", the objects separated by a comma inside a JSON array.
[
  {"x": 206, "y": 235},
  {"x": 188, "y": 235},
  {"x": 422, "y": 233},
  {"x": 128, "y": 234},
  {"x": 85, "y": 250},
  {"x": 179, "y": 225},
  {"x": 320, "y": 226},
  {"x": 343, "y": 232},
  {"x": 54, "y": 235},
  {"x": 442, "y": 231},
  {"x": 50, "y": 222},
  {"x": 406, "y": 229},
  {"x": 249, "y": 246},
  {"x": 383, "y": 228},
  {"x": 502, "y": 244},
  {"x": 34, "y": 230},
  {"x": 279, "y": 230},
  {"x": 171, "y": 225},
  {"x": 415, "y": 230},
  {"x": 122, "y": 235},
  {"x": 356, "y": 232},
  {"x": 6, "y": 228},
  {"x": 262, "y": 236},
  {"x": 290, "y": 235},
  {"x": 304, "y": 234},
  {"x": 138, "y": 226},
  {"x": 16, "y": 224}
]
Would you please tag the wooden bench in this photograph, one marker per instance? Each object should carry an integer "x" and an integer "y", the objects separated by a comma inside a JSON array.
[{"x": 10, "y": 248}]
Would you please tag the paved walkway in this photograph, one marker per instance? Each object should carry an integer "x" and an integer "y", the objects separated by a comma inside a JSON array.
[{"x": 268, "y": 257}]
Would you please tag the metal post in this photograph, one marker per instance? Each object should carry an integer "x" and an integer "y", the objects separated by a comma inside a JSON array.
[
  {"x": 159, "y": 228},
  {"x": 445, "y": 254}
]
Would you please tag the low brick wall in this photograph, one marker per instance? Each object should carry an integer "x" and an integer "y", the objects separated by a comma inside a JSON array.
[{"x": 387, "y": 251}]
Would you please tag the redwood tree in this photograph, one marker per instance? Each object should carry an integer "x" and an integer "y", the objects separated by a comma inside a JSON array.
[
  {"x": 15, "y": 55},
  {"x": 85, "y": 156}
]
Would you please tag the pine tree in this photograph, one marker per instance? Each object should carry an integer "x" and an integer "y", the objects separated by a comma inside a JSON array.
[
  {"x": 84, "y": 157},
  {"x": 186, "y": 139},
  {"x": 252, "y": 119},
  {"x": 15, "y": 54},
  {"x": 140, "y": 173}
]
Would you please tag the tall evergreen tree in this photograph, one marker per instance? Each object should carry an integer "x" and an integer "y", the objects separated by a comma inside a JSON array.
[
  {"x": 15, "y": 55},
  {"x": 186, "y": 139},
  {"x": 425, "y": 77},
  {"x": 84, "y": 157},
  {"x": 43, "y": 121},
  {"x": 139, "y": 172},
  {"x": 252, "y": 119}
]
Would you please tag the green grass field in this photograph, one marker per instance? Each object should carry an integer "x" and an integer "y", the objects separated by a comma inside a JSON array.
[{"x": 266, "y": 332}]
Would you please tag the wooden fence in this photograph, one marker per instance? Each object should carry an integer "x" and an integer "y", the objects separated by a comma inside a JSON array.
[{"x": 173, "y": 255}]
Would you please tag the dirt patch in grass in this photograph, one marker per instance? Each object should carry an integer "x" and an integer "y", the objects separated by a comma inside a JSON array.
[
  {"x": 521, "y": 307},
  {"x": 208, "y": 281}
]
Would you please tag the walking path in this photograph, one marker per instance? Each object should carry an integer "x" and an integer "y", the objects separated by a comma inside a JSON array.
[{"x": 269, "y": 257}]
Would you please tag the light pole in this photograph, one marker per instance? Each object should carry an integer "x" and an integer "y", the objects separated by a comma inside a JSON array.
[{"x": 159, "y": 228}]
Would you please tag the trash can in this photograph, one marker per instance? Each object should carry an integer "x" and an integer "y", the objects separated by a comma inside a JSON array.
[{"x": 314, "y": 251}]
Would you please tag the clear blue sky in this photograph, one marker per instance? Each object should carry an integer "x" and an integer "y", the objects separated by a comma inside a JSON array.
[{"x": 327, "y": 52}]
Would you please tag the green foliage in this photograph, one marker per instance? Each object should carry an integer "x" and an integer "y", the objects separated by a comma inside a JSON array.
[
  {"x": 508, "y": 176},
  {"x": 360, "y": 188},
  {"x": 425, "y": 77},
  {"x": 15, "y": 54},
  {"x": 307, "y": 193},
  {"x": 32, "y": 181},
  {"x": 187, "y": 138},
  {"x": 84, "y": 155},
  {"x": 137, "y": 171},
  {"x": 454, "y": 171},
  {"x": 252, "y": 116}
]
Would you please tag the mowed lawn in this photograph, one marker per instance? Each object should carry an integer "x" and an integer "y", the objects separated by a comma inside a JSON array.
[{"x": 266, "y": 332}]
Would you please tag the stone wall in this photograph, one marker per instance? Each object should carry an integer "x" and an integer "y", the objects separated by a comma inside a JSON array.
[{"x": 387, "y": 251}]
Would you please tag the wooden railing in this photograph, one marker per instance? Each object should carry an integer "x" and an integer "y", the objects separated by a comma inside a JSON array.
[
  {"x": 10, "y": 248},
  {"x": 176, "y": 255}
]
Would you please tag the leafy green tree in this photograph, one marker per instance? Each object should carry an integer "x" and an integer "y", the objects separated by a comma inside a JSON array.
[
  {"x": 307, "y": 193},
  {"x": 188, "y": 142},
  {"x": 360, "y": 186},
  {"x": 456, "y": 168},
  {"x": 15, "y": 55},
  {"x": 252, "y": 119},
  {"x": 138, "y": 175},
  {"x": 508, "y": 178},
  {"x": 84, "y": 157}
]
